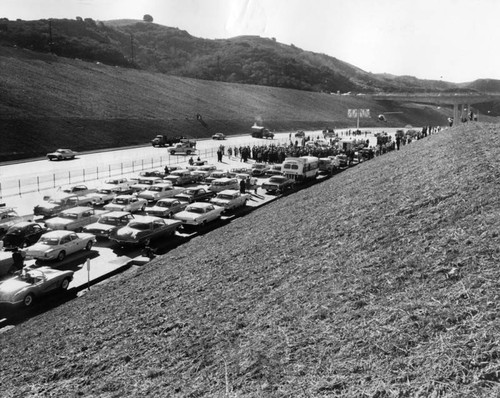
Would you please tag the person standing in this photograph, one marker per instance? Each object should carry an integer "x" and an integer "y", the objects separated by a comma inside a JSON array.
[
  {"x": 242, "y": 186},
  {"x": 18, "y": 258}
]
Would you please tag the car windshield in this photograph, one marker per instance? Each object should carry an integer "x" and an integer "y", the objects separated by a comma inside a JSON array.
[
  {"x": 50, "y": 241},
  {"x": 259, "y": 166},
  {"x": 164, "y": 204},
  {"x": 109, "y": 220},
  {"x": 194, "y": 209},
  {"x": 155, "y": 189},
  {"x": 146, "y": 182},
  {"x": 139, "y": 225},
  {"x": 121, "y": 201},
  {"x": 104, "y": 191},
  {"x": 71, "y": 216},
  {"x": 276, "y": 179},
  {"x": 56, "y": 201},
  {"x": 14, "y": 231},
  {"x": 190, "y": 192},
  {"x": 224, "y": 196}
]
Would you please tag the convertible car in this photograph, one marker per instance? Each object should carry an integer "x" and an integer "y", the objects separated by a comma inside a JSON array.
[
  {"x": 56, "y": 245},
  {"x": 32, "y": 284}
]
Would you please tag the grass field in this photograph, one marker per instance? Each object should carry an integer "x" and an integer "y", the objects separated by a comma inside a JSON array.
[{"x": 379, "y": 282}]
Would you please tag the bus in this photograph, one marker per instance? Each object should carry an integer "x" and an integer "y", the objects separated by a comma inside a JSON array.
[{"x": 301, "y": 169}]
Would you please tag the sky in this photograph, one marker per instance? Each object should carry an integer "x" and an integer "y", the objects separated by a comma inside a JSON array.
[{"x": 449, "y": 40}]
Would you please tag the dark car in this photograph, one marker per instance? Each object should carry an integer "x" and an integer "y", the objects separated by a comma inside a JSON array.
[
  {"x": 278, "y": 184},
  {"x": 23, "y": 234},
  {"x": 191, "y": 195}
]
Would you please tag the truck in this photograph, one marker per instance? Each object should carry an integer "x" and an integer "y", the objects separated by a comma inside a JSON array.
[
  {"x": 185, "y": 147},
  {"x": 165, "y": 140},
  {"x": 261, "y": 132}
]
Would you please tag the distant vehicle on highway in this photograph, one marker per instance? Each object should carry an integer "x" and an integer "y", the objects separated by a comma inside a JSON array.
[
  {"x": 56, "y": 245},
  {"x": 261, "y": 132},
  {"x": 33, "y": 283},
  {"x": 61, "y": 154},
  {"x": 218, "y": 136}
]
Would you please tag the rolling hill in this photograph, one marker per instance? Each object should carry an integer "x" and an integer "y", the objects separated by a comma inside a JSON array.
[{"x": 50, "y": 101}]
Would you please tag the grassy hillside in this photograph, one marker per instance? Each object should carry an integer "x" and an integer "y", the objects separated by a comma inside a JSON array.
[
  {"x": 386, "y": 289},
  {"x": 49, "y": 102}
]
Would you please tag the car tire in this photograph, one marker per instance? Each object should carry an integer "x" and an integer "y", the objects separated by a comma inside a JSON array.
[
  {"x": 28, "y": 300},
  {"x": 59, "y": 158},
  {"x": 88, "y": 246},
  {"x": 65, "y": 284},
  {"x": 143, "y": 208},
  {"x": 61, "y": 256},
  {"x": 172, "y": 152}
]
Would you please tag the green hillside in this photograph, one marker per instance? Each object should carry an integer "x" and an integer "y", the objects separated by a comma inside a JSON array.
[
  {"x": 49, "y": 101},
  {"x": 380, "y": 282}
]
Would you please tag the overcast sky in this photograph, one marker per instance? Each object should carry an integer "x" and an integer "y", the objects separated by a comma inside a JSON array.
[{"x": 452, "y": 40}]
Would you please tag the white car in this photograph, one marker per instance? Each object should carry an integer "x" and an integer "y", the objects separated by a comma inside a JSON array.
[
  {"x": 230, "y": 199},
  {"x": 56, "y": 245},
  {"x": 159, "y": 191},
  {"x": 117, "y": 182},
  {"x": 199, "y": 213},
  {"x": 73, "y": 219},
  {"x": 129, "y": 203}
]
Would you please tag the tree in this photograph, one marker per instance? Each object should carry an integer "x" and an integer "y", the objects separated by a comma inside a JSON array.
[{"x": 147, "y": 18}]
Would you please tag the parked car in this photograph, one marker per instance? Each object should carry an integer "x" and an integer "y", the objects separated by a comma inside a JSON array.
[
  {"x": 200, "y": 175},
  {"x": 240, "y": 170},
  {"x": 77, "y": 189},
  {"x": 278, "y": 184},
  {"x": 300, "y": 134},
  {"x": 142, "y": 229},
  {"x": 62, "y": 154},
  {"x": 22, "y": 234},
  {"x": 129, "y": 203},
  {"x": 274, "y": 170},
  {"x": 32, "y": 284},
  {"x": 144, "y": 183},
  {"x": 6, "y": 263},
  {"x": 167, "y": 207},
  {"x": 73, "y": 219},
  {"x": 108, "y": 223},
  {"x": 159, "y": 191},
  {"x": 218, "y": 136},
  {"x": 214, "y": 175},
  {"x": 230, "y": 199},
  {"x": 180, "y": 177},
  {"x": 56, "y": 245},
  {"x": 259, "y": 169},
  {"x": 8, "y": 217},
  {"x": 199, "y": 214},
  {"x": 198, "y": 194},
  {"x": 117, "y": 182},
  {"x": 106, "y": 195},
  {"x": 222, "y": 184},
  {"x": 55, "y": 205}
]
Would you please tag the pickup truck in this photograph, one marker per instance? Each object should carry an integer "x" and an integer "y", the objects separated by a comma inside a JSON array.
[
  {"x": 57, "y": 204},
  {"x": 187, "y": 147},
  {"x": 165, "y": 140}
]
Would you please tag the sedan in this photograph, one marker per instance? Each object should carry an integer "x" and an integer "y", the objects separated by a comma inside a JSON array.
[
  {"x": 33, "y": 283},
  {"x": 129, "y": 203},
  {"x": 191, "y": 195},
  {"x": 56, "y": 245},
  {"x": 199, "y": 214},
  {"x": 8, "y": 217},
  {"x": 167, "y": 207},
  {"x": 109, "y": 223},
  {"x": 23, "y": 234},
  {"x": 218, "y": 136},
  {"x": 230, "y": 199},
  {"x": 62, "y": 154},
  {"x": 277, "y": 184},
  {"x": 143, "y": 229}
]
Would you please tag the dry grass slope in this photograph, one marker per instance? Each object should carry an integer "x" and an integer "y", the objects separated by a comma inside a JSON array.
[{"x": 380, "y": 282}]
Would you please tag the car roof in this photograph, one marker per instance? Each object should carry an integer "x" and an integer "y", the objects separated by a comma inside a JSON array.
[
  {"x": 147, "y": 219},
  {"x": 200, "y": 204},
  {"x": 23, "y": 224},
  {"x": 58, "y": 233},
  {"x": 116, "y": 214},
  {"x": 77, "y": 209},
  {"x": 224, "y": 179},
  {"x": 229, "y": 192}
]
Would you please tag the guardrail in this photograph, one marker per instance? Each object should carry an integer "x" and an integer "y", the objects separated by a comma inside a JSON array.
[{"x": 39, "y": 183}]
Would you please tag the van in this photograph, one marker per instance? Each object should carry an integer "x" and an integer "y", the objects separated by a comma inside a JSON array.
[{"x": 221, "y": 184}]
